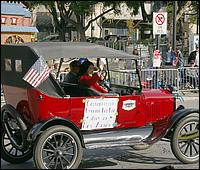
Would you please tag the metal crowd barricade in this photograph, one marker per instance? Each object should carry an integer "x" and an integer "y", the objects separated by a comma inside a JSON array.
[
  {"x": 183, "y": 78},
  {"x": 188, "y": 78},
  {"x": 156, "y": 78},
  {"x": 124, "y": 77}
]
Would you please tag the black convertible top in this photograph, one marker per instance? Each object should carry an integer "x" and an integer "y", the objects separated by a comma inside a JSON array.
[
  {"x": 17, "y": 59},
  {"x": 56, "y": 50}
]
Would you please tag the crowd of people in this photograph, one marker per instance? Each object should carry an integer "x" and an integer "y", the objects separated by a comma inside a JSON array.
[{"x": 189, "y": 74}]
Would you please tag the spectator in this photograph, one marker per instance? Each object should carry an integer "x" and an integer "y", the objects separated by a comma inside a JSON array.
[
  {"x": 55, "y": 69},
  {"x": 72, "y": 76},
  {"x": 197, "y": 57},
  {"x": 89, "y": 78},
  {"x": 180, "y": 59},
  {"x": 192, "y": 75},
  {"x": 194, "y": 56},
  {"x": 180, "y": 64},
  {"x": 63, "y": 74},
  {"x": 171, "y": 57}
]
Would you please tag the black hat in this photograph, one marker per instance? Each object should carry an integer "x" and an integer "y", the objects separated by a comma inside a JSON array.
[
  {"x": 84, "y": 67},
  {"x": 75, "y": 63}
]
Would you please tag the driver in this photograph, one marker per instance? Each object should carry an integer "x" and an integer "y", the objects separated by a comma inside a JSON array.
[
  {"x": 90, "y": 78},
  {"x": 72, "y": 76}
]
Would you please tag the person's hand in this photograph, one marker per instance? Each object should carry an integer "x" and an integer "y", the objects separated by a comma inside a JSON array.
[
  {"x": 96, "y": 69},
  {"x": 99, "y": 74},
  {"x": 101, "y": 77}
]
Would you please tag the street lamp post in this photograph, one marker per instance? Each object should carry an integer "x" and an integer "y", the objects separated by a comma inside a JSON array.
[{"x": 174, "y": 25}]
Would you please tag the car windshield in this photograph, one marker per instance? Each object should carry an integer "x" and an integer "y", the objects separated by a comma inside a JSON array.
[{"x": 123, "y": 73}]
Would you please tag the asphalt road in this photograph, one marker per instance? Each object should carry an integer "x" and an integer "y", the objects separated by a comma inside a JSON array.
[{"x": 157, "y": 156}]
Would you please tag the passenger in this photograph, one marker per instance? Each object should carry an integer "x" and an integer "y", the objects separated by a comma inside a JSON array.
[
  {"x": 89, "y": 78},
  {"x": 72, "y": 76}
]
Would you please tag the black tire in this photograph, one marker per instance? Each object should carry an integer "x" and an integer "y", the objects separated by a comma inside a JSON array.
[
  {"x": 180, "y": 147},
  {"x": 10, "y": 154},
  {"x": 15, "y": 127},
  {"x": 51, "y": 146}
]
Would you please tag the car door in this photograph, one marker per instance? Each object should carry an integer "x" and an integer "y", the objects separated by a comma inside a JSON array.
[{"x": 129, "y": 111}]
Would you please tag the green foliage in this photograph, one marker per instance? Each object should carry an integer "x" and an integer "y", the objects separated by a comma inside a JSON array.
[
  {"x": 80, "y": 9},
  {"x": 170, "y": 7}
]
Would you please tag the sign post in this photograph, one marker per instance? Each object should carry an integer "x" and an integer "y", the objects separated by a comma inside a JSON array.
[{"x": 159, "y": 28}]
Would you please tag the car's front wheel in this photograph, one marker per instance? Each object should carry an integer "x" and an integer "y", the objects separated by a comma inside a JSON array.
[
  {"x": 58, "y": 147},
  {"x": 185, "y": 140}
]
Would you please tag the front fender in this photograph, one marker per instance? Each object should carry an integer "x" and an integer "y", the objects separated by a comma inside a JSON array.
[
  {"x": 179, "y": 114},
  {"x": 38, "y": 128},
  {"x": 163, "y": 127}
]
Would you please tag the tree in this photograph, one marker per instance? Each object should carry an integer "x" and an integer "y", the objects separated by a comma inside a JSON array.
[
  {"x": 80, "y": 10},
  {"x": 182, "y": 8},
  {"x": 59, "y": 22}
]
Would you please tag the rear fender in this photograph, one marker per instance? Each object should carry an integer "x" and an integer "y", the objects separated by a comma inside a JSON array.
[{"x": 37, "y": 129}]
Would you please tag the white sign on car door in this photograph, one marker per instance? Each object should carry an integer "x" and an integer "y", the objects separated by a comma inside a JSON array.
[
  {"x": 159, "y": 23},
  {"x": 100, "y": 113}
]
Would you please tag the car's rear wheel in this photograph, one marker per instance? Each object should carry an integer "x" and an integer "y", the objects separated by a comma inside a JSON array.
[
  {"x": 14, "y": 127},
  {"x": 10, "y": 153},
  {"x": 14, "y": 146},
  {"x": 185, "y": 140},
  {"x": 58, "y": 147}
]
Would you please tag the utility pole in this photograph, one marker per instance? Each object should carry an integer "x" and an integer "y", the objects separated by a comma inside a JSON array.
[
  {"x": 157, "y": 37},
  {"x": 174, "y": 25},
  {"x": 197, "y": 20}
]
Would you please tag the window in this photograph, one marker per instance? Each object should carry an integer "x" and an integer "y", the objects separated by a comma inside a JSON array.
[
  {"x": 18, "y": 65},
  {"x": 106, "y": 32},
  {"x": 8, "y": 65},
  {"x": 14, "y": 21},
  {"x": 3, "y": 20}
]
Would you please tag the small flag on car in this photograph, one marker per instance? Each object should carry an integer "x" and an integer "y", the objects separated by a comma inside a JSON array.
[{"x": 38, "y": 73}]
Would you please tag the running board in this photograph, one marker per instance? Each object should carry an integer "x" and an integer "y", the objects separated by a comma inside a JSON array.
[{"x": 118, "y": 137}]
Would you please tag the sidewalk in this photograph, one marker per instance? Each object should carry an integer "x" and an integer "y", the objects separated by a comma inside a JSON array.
[{"x": 190, "y": 95}]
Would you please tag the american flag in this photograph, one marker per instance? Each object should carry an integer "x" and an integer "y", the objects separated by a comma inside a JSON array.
[{"x": 38, "y": 73}]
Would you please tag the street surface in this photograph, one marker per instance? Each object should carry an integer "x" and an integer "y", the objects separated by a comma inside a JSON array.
[{"x": 157, "y": 156}]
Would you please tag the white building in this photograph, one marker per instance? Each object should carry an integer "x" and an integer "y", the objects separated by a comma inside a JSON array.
[{"x": 98, "y": 29}]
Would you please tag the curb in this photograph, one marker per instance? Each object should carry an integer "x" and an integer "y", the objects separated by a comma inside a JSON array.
[{"x": 191, "y": 98}]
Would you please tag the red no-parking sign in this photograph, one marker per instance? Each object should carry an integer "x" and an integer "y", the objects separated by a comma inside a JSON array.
[{"x": 159, "y": 23}]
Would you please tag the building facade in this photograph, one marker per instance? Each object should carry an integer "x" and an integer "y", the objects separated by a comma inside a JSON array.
[
  {"x": 16, "y": 24},
  {"x": 115, "y": 24}
]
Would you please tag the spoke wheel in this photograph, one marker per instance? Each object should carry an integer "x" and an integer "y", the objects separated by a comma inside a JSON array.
[
  {"x": 58, "y": 148},
  {"x": 186, "y": 150},
  {"x": 14, "y": 127},
  {"x": 10, "y": 153}
]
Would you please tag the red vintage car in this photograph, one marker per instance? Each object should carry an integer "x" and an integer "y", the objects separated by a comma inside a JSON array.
[{"x": 53, "y": 121}]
